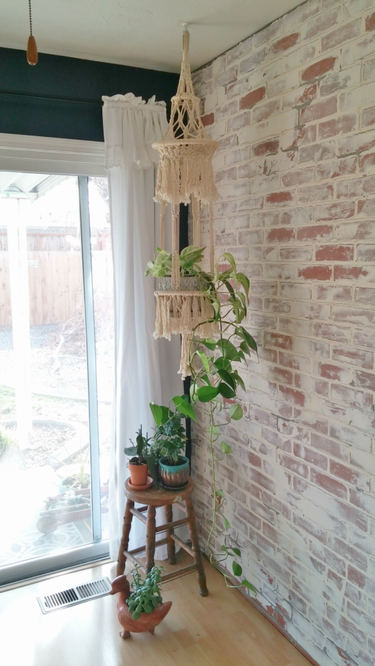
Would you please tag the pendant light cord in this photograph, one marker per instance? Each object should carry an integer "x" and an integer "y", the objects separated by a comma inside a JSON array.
[{"x": 30, "y": 19}]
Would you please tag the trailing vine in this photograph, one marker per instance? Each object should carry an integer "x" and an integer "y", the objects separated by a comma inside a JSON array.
[{"x": 214, "y": 381}]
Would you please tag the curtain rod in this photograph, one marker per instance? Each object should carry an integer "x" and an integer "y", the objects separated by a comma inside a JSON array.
[{"x": 51, "y": 97}]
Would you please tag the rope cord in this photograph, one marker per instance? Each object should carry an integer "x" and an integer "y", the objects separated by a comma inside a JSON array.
[{"x": 30, "y": 19}]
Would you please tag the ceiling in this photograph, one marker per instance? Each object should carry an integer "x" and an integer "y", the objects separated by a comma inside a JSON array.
[{"x": 141, "y": 33}]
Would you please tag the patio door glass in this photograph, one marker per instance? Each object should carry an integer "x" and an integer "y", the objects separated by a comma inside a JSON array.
[{"x": 56, "y": 344}]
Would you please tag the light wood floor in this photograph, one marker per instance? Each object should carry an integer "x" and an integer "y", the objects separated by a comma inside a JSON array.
[{"x": 222, "y": 629}]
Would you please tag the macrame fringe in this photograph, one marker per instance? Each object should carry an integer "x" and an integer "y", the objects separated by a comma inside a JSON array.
[
  {"x": 181, "y": 312},
  {"x": 185, "y": 170}
]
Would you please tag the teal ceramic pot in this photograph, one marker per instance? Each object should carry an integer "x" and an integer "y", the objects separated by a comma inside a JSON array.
[{"x": 174, "y": 476}]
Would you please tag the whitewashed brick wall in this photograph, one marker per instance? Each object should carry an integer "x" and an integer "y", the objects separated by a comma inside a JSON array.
[{"x": 293, "y": 109}]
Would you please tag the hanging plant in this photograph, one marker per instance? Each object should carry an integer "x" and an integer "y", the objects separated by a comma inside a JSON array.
[{"x": 215, "y": 379}]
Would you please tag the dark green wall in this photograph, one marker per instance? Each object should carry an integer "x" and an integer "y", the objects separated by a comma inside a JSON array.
[{"x": 61, "y": 97}]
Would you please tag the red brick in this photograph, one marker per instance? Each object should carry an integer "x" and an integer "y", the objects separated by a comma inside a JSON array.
[
  {"x": 279, "y": 197},
  {"x": 278, "y": 340},
  {"x": 292, "y": 395},
  {"x": 329, "y": 484},
  {"x": 353, "y": 356},
  {"x": 315, "y": 273},
  {"x": 341, "y": 294},
  {"x": 349, "y": 272},
  {"x": 315, "y": 193},
  {"x": 340, "y": 125},
  {"x": 341, "y": 35},
  {"x": 266, "y": 148},
  {"x": 318, "y": 69},
  {"x": 364, "y": 295},
  {"x": 334, "y": 253},
  {"x": 370, "y": 22},
  {"x": 252, "y": 98},
  {"x": 364, "y": 379},
  {"x": 329, "y": 446},
  {"x": 208, "y": 119},
  {"x": 284, "y": 44},
  {"x": 310, "y": 456},
  {"x": 280, "y": 235},
  {"x": 326, "y": 107},
  {"x": 349, "y": 475},
  {"x": 341, "y": 210},
  {"x": 298, "y": 177},
  {"x": 343, "y": 167},
  {"x": 330, "y": 371},
  {"x": 266, "y": 110},
  {"x": 368, "y": 117},
  {"x": 352, "y": 397},
  {"x": 315, "y": 233}
]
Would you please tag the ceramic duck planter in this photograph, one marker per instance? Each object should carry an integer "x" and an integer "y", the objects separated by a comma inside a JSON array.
[{"x": 146, "y": 621}]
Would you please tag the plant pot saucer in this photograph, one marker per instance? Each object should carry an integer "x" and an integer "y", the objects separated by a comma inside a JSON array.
[
  {"x": 144, "y": 487},
  {"x": 174, "y": 488}
]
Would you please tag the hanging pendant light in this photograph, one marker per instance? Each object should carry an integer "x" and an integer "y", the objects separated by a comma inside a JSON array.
[
  {"x": 185, "y": 175},
  {"x": 32, "y": 50}
]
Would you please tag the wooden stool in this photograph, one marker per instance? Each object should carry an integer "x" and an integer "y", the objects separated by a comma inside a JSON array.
[{"x": 150, "y": 499}]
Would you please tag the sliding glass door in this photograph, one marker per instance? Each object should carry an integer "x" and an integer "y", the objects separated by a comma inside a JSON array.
[{"x": 56, "y": 362}]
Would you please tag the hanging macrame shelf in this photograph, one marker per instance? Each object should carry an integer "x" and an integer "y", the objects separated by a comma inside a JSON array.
[{"x": 185, "y": 175}]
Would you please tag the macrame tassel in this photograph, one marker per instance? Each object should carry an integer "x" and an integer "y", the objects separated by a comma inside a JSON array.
[
  {"x": 163, "y": 207},
  {"x": 196, "y": 222},
  {"x": 184, "y": 370},
  {"x": 175, "y": 276},
  {"x": 212, "y": 248}
]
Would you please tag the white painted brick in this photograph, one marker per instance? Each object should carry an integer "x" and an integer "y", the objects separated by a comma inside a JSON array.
[
  {"x": 268, "y": 128},
  {"x": 358, "y": 50},
  {"x": 358, "y": 98}
]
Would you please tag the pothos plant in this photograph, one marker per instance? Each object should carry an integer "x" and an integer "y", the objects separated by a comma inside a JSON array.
[{"x": 215, "y": 379}]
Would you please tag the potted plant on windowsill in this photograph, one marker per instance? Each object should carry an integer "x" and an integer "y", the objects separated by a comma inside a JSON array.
[
  {"x": 168, "y": 442},
  {"x": 137, "y": 465},
  {"x": 143, "y": 609}
]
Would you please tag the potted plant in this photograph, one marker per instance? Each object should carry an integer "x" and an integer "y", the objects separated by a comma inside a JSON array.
[
  {"x": 168, "y": 442},
  {"x": 192, "y": 277},
  {"x": 138, "y": 468},
  {"x": 143, "y": 609}
]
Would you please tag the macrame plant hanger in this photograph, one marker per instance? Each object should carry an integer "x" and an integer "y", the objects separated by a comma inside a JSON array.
[{"x": 185, "y": 175}]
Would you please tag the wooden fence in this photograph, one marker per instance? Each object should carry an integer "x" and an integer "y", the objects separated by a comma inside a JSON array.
[{"x": 55, "y": 284}]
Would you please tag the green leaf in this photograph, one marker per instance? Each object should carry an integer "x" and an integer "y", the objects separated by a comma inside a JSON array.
[
  {"x": 237, "y": 551},
  {"x": 236, "y": 412},
  {"x": 224, "y": 549},
  {"x": 227, "y": 349},
  {"x": 223, "y": 364},
  {"x": 209, "y": 343},
  {"x": 226, "y": 391},
  {"x": 242, "y": 279},
  {"x": 225, "y": 448},
  {"x": 157, "y": 413},
  {"x": 136, "y": 615},
  {"x": 228, "y": 379},
  {"x": 245, "y": 347},
  {"x": 221, "y": 494},
  {"x": 213, "y": 430},
  {"x": 239, "y": 380},
  {"x": 204, "y": 360},
  {"x": 226, "y": 523},
  {"x": 207, "y": 393},
  {"x": 245, "y": 335},
  {"x": 249, "y": 586},
  {"x": 184, "y": 407},
  {"x": 237, "y": 569},
  {"x": 230, "y": 259}
]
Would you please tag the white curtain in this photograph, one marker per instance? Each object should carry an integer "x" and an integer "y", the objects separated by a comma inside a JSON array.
[{"x": 145, "y": 369}]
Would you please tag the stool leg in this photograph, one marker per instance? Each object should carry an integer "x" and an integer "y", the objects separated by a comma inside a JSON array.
[
  {"x": 125, "y": 537},
  {"x": 196, "y": 548},
  {"x": 150, "y": 538},
  {"x": 170, "y": 543}
]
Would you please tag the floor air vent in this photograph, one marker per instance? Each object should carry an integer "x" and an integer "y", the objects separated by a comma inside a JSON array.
[{"x": 74, "y": 595}]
